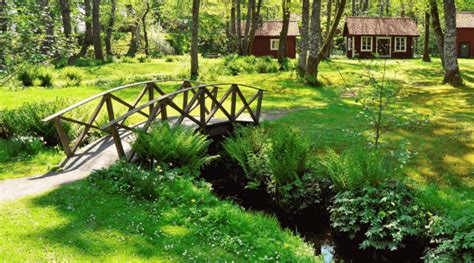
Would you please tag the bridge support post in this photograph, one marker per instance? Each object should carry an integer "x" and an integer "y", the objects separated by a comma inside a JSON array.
[
  {"x": 113, "y": 129},
  {"x": 233, "y": 101},
  {"x": 259, "y": 106},
  {"x": 62, "y": 136}
]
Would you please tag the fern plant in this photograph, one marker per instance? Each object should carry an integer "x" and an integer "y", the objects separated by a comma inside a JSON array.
[{"x": 173, "y": 146}]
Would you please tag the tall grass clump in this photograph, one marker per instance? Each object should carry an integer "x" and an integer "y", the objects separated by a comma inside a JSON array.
[
  {"x": 357, "y": 167},
  {"x": 19, "y": 148},
  {"x": 27, "y": 76},
  {"x": 173, "y": 146},
  {"x": 74, "y": 76},
  {"x": 26, "y": 120},
  {"x": 45, "y": 76}
]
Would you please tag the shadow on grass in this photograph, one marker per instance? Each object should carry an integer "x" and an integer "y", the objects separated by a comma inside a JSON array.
[{"x": 188, "y": 224}]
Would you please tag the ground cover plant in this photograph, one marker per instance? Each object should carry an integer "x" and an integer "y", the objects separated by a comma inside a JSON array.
[{"x": 101, "y": 221}]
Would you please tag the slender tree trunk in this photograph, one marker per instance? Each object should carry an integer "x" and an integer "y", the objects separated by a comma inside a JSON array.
[
  {"x": 65, "y": 6},
  {"x": 145, "y": 33},
  {"x": 315, "y": 34},
  {"x": 381, "y": 7},
  {"x": 87, "y": 41},
  {"x": 452, "y": 75},
  {"x": 194, "y": 41},
  {"x": 233, "y": 28},
  {"x": 283, "y": 47},
  {"x": 110, "y": 28},
  {"x": 239, "y": 28},
  {"x": 3, "y": 29},
  {"x": 354, "y": 12},
  {"x": 48, "y": 21},
  {"x": 254, "y": 26},
  {"x": 328, "y": 27},
  {"x": 134, "y": 29},
  {"x": 438, "y": 32},
  {"x": 304, "y": 37},
  {"x": 426, "y": 43},
  {"x": 387, "y": 7},
  {"x": 96, "y": 39},
  {"x": 329, "y": 38},
  {"x": 250, "y": 10}
]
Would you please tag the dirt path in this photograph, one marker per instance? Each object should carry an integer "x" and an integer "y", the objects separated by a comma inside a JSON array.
[{"x": 99, "y": 154}]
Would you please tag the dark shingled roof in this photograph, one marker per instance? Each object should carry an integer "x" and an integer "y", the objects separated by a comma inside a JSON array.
[
  {"x": 385, "y": 26},
  {"x": 273, "y": 28},
  {"x": 465, "y": 20}
]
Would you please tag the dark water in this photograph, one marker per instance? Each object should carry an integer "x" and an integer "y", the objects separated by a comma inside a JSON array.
[{"x": 313, "y": 225}]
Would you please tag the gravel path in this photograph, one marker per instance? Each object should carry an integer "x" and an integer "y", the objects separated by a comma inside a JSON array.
[{"x": 97, "y": 155}]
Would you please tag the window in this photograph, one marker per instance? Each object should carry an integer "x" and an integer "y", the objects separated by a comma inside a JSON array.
[
  {"x": 366, "y": 44},
  {"x": 400, "y": 44},
  {"x": 274, "y": 44},
  {"x": 349, "y": 44}
]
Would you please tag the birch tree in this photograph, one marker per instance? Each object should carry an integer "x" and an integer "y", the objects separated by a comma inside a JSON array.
[
  {"x": 452, "y": 75},
  {"x": 304, "y": 37},
  {"x": 195, "y": 41},
  {"x": 314, "y": 36}
]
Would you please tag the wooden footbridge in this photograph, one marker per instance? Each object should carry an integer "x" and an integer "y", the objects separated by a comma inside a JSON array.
[{"x": 210, "y": 108}]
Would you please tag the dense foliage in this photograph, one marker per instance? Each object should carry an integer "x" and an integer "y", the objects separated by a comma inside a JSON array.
[
  {"x": 382, "y": 216},
  {"x": 220, "y": 224},
  {"x": 171, "y": 146},
  {"x": 27, "y": 121}
]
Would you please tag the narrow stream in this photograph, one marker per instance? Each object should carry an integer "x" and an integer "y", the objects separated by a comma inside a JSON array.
[{"x": 313, "y": 226}]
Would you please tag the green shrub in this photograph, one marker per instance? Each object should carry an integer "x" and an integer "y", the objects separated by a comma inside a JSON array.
[
  {"x": 27, "y": 121},
  {"x": 249, "y": 146},
  {"x": 19, "y": 148},
  {"x": 88, "y": 62},
  {"x": 73, "y": 76},
  {"x": 27, "y": 76},
  {"x": 127, "y": 59},
  {"x": 278, "y": 160},
  {"x": 143, "y": 59},
  {"x": 381, "y": 216},
  {"x": 169, "y": 59},
  {"x": 127, "y": 179},
  {"x": 45, "y": 76},
  {"x": 173, "y": 146},
  {"x": 357, "y": 167},
  {"x": 453, "y": 237},
  {"x": 267, "y": 65}
]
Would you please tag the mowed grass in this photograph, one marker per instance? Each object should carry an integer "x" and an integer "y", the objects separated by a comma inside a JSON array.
[
  {"x": 445, "y": 147},
  {"x": 79, "y": 223}
]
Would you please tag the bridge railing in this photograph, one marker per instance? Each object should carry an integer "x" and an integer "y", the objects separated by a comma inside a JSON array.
[{"x": 198, "y": 104}]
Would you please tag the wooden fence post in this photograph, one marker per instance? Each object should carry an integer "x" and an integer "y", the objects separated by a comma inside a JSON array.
[
  {"x": 259, "y": 106},
  {"x": 233, "y": 101},
  {"x": 202, "y": 106},
  {"x": 113, "y": 129},
  {"x": 151, "y": 96},
  {"x": 62, "y": 136}
]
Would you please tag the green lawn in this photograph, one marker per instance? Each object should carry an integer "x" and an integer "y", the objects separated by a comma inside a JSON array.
[
  {"x": 445, "y": 147},
  {"x": 83, "y": 224}
]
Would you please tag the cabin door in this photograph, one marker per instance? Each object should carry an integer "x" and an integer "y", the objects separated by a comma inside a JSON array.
[
  {"x": 464, "y": 50},
  {"x": 384, "y": 46}
]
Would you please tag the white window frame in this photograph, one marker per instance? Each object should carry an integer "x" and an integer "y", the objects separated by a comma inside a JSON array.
[
  {"x": 277, "y": 45},
  {"x": 362, "y": 44},
  {"x": 377, "y": 46},
  {"x": 349, "y": 44},
  {"x": 396, "y": 49}
]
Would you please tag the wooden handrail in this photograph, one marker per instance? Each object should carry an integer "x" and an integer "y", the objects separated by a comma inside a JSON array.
[{"x": 158, "y": 106}]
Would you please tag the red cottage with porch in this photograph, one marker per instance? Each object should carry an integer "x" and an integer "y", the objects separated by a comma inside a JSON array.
[
  {"x": 386, "y": 37},
  {"x": 465, "y": 34},
  {"x": 267, "y": 38}
]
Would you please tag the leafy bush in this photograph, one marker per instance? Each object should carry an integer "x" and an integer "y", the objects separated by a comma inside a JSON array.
[
  {"x": 143, "y": 59},
  {"x": 267, "y": 65},
  {"x": 382, "y": 216},
  {"x": 73, "y": 76},
  {"x": 357, "y": 167},
  {"x": 19, "y": 147},
  {"x": 169, "y": 59},
  {"x": 127, "y": 59},
  {"x": 173, "y": 146},
  {"x": 277, "y": 160},
  {"x": 125, "y": 178},
  {"x": 45, "y": 76},
  {"x": 27, "y": 121},
  {"x": 27, "y": 76},
  {"x": 250, "y": 147},
  {"x": 453, "y": 238}
]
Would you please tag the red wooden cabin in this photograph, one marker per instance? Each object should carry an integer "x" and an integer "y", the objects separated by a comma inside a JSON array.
[
  {"x": 267, "y": 38},
  {"x": 386, "y": 37},
  {"x": 465, "y": 34}
]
